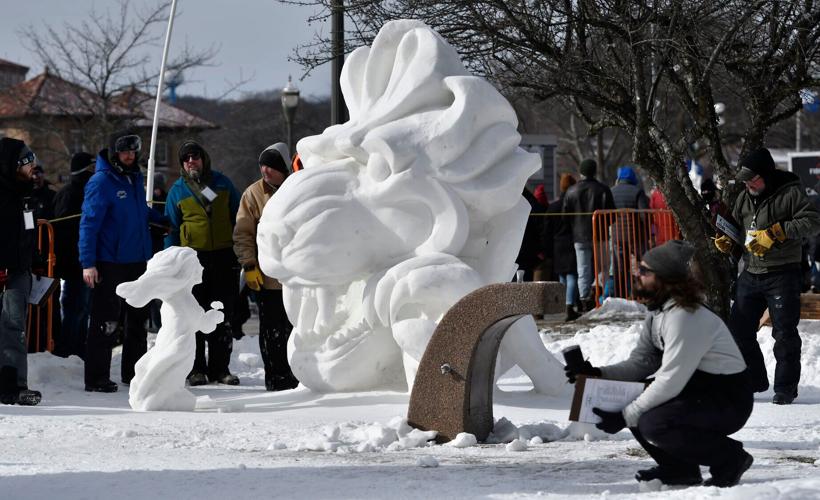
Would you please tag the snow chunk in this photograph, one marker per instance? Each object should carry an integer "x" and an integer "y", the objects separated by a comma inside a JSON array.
[
  {"x": 427, "y": 461},
  {"x": 517, "y": 445},
  {"x": 463, "y": 440}
]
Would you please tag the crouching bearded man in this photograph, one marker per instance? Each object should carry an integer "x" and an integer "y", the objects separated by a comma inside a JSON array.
[{"x": 700, "y": 394}]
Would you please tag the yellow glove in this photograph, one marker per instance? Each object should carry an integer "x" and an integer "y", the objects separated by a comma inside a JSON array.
[
  {"x": 763, "y": 239},
  {"x": 254, "y": 278},
  {"x": 724, "y": 243}
]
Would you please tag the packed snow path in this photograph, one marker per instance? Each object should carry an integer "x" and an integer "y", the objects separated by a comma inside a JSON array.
[{"x": 298, "y": 444}]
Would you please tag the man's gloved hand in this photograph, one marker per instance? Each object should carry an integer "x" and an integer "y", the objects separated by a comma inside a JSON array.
[
  {"x": 724, "y": 243},
  {"x": 762, "y": 240},
  {"x": 254, "y": 278},
  {"x": 611, "y": 421},
  {"x": 584, "y": 369}
]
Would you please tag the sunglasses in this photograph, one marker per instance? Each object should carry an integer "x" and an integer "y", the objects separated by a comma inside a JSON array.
[
  {"x": 643, "y": 270},
  {"x": 191, "y": 156}
]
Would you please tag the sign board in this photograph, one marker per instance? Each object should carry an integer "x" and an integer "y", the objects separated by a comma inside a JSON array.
[{"x": 806, "y": 164}]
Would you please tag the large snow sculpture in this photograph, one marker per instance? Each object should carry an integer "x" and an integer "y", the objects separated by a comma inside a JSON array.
[
  {"x": 398, "y": 213},
  {"x": 159, "y": 379}
]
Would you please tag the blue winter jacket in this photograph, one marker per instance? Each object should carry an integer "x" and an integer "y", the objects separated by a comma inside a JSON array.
[{"x": 115, "y": 216}]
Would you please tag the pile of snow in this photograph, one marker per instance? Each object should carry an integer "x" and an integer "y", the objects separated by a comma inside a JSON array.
[
  {"x": 352, "y": 437},
  {"x": 614, "y": 307}
]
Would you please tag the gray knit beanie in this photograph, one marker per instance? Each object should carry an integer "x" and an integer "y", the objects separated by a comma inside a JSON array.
[{"x": 670, "y": 261}]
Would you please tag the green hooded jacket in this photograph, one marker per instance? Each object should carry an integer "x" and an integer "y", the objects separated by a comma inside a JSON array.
[{"x": 787, "y": 204}]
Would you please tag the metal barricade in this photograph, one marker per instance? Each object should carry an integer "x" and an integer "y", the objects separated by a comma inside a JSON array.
[
  {"x": 623, "y": 236},
  {"x": 39, "y": 322}
]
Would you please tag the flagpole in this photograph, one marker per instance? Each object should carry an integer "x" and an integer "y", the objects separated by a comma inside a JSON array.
[{"x": 149, "y": 192}]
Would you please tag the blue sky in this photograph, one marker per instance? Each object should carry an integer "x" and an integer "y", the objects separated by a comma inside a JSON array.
[{"x": 254, "y": 37}]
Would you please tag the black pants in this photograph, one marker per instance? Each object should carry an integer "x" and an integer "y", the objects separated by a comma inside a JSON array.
[
  {"x": 274, "y": 331},
  {"x": 220, "y": 282},
  {"x": 111, "y": 317},
  {"x": 778, "y": 291},
  {"x": 692, "y": 429}
]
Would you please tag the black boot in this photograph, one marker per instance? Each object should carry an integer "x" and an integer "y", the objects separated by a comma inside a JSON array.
[
  {"x": 572, "y": 315},
  {"x": 281, "y": 383},
  {"x": 102, "y": 386},
  {"x": 27, "y": 397},
  {"x": 671, "y": 477},
  {"x": 728, "y": 474},
  {"x": 8, "y": 385}
]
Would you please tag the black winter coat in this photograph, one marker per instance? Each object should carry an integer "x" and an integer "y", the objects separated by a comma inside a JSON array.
[
  {"x": 16, "y": 242},
  {"x": 528, "y": 258},
  {"x": 558, "y": 236},
  {"x": 69, "y": 201},
  {"x": 588, "y": 195}
]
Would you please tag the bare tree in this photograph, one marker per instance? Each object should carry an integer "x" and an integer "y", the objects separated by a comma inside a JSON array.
[
  {"x": 625, "y": 65},
  {"x": 107, "y": 53}
]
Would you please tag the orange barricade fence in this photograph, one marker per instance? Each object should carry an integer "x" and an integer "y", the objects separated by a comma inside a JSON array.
[
  {"x": 624, "y": 235},
  {"x": 39, "y": 323}
]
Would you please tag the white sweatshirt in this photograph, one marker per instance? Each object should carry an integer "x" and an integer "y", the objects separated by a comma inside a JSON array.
[{"x": 675, "y": 342}]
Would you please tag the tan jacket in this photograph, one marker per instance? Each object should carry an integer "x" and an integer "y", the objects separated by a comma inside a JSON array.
[{"x": 244, "y": 233}]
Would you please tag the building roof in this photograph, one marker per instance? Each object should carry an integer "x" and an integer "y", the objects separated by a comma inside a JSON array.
[
  {"x": 169, "y": 115},
  {"x": 48, "y": 94},
  {"x": 8, "y": 65}
]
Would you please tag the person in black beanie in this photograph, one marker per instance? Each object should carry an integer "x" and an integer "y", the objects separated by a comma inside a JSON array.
[
  {"x": 274, "y": 327},
  {"x": 585, "y": 197},
  {"x": 18, "y": 228},
  {"x": 75, "y": 298},
  {"x": 776, "y": 215},
  {"x": 700, "y": 393}
]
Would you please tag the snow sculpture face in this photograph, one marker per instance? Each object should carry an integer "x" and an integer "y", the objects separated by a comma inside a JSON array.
[
  {"x": 398, "y": 213},
  {"x": 166, "y": 274}
]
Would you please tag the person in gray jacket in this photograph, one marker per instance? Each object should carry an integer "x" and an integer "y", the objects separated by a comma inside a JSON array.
[
  {"x": 700, "y": 393},
  {"x": 776, "y": 215}
]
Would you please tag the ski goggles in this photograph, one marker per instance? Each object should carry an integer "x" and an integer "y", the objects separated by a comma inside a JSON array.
[
  {"x": 127, "y": 143},
  {"x": 26, "y": 157}
]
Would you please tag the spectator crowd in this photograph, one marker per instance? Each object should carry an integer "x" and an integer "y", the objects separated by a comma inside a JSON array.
[{"x": 104, "y": 234}]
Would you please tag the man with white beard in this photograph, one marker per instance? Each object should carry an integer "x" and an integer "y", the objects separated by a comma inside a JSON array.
[
  {"x": 201, "y": 207},
  {"x": 776, "y": 215}
]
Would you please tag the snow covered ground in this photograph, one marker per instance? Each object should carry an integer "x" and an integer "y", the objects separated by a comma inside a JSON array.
[{"x": 298, "y": 444}]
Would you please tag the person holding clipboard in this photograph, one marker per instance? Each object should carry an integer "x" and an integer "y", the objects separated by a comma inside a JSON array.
[{"x": 700, "y": 393}]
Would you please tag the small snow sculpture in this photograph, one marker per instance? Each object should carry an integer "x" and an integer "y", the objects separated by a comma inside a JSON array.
[
  {"x": 159, "y": 380},
  {"x": 398, "y": 213}
]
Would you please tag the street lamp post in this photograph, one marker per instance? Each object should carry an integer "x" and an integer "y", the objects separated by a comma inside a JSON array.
[{"x": 290, "y": 101}]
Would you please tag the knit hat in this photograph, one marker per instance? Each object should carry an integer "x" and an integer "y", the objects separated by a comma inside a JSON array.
[
  {"x": 627, "y": 174},
  {"x": 758, "y": 162},
  {"x": 276, "y": 156},
  {"x": 670, "y": 261},
  {"x": 566, "y": 181},
  {"x": 124, "y": 140},
  {"x": 80, "y": 162},
  {"x": 588, "y": 168},
  {"x": 10, "y": 152}
]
